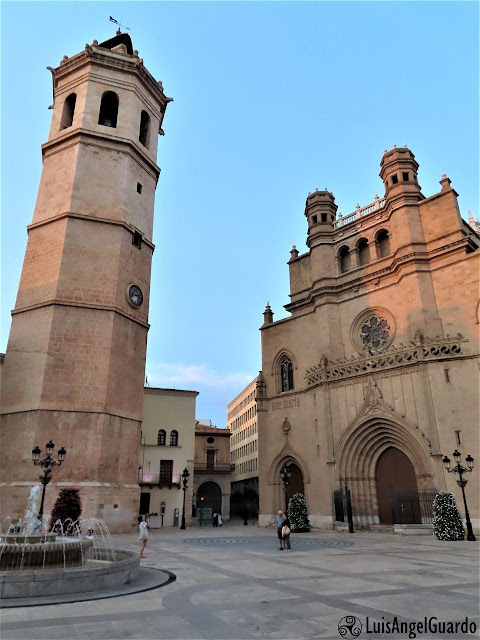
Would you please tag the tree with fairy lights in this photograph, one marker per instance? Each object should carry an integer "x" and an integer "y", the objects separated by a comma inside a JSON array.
[
  {"x": 447, "y": 523},
  {"x": 298, "y": 514}
]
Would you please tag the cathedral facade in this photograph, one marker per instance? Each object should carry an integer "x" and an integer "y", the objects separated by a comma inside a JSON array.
[{"x": 373, "y": 378}]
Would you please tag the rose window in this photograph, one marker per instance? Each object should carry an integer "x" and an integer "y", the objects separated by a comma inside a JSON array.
[{"x": 375, "y": 332}]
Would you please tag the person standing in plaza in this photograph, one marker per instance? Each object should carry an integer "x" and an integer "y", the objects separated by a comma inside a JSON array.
[
  {"x": 280, "y": 519},
  {"x": 215, "y": 519},
  {"x": 143, "y": 533},
  {"x": 286, "y": 533}
]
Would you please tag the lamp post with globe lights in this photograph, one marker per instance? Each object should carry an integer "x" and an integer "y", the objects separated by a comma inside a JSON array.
[
  {"x": 460, "y": 469},
  {"x": 47, "y": 464},
  {"x": 185, "y": 476}
]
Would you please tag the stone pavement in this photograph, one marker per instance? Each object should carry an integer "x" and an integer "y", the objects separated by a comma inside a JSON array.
[{"x": 233, "y": 583}]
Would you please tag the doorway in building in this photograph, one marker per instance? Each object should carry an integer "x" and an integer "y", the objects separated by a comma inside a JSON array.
[
  {"x": 209, "y": 500},
  {"x": 397, "y": 493},
  {"x": 144, "y": 503},
  {"x": 295, "y": 482}
]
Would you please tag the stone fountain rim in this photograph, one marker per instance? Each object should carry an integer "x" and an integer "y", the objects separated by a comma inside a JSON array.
[
  {"x": 118, "y": 592},
  {"x": 36, "y": 575}
]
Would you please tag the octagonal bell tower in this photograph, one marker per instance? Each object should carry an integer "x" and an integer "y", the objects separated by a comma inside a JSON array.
[{"x": 75, "y": 363}]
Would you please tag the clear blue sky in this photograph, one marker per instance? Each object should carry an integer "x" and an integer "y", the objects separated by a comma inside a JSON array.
[{"x": 271, "y": 101}]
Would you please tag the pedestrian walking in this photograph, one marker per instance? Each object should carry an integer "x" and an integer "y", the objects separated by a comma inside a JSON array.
[
  {"x": 286, "y": 530},
  {"x": 215, "y": 519},
  {"x": 280, "y": 519},
  {"x": 220, "y": 521},
  {"x": 143, "y": 533}
]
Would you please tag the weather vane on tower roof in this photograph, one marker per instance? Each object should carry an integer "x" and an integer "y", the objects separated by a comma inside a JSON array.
[{"x": 119, "y": 22}]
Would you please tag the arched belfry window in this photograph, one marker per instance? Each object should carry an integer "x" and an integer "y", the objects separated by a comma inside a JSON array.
[
  {"x": 383, "y": 243},
  {"x": 286, "y": 374},
  {"x": 68, "y": 111},
  {"x": 144, "y": 128},
  {"x": 108, "y": 109},
  {"x": 363, "y": 252},
  {"x": 174, "y": 438},
  {"x": 345, "y": 259},
  {"x": 161, "y": 437}
]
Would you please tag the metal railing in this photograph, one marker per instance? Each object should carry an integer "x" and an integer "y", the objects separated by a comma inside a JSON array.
[
  {"x": 163, "y": 479},
  {"x": 218, "y": 467},
  {"x": 412, "y": 507}
]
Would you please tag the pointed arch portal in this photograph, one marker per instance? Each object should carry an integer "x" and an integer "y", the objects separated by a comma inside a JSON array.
[{"x": 378, "y": 459}]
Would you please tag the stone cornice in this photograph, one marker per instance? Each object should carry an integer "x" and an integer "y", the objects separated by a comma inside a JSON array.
[
  {"x": 82, "y": 216},
  {"x": 59, "y": 410},
  {"x": 81, "y": 305},
  {"x": 161, "y": 391},
  {"x": 102, "y": 140}
]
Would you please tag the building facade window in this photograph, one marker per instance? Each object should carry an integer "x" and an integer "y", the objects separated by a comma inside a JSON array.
[
  {"x": 166, "y": 471},
  {"x": 68, "y": 111},
  {"x": 363, "y": 252},
  {"x": 345, "y": 259},
  {"x": 383, "y": 243},
  {"x": 173, "y": 438},
  {"x": 144, "y": 128},
  {"x": 286, "y": 374},
  {"x": 108, "y": 110},
  {"x": 210, "y": 459},
  {"x": 161, "y": 437}
]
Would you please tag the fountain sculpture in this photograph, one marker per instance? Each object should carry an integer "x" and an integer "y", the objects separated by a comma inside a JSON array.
[{"x": 37, "y": 562}]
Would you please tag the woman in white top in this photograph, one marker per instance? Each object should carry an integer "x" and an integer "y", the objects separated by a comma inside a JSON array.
[{"x": 143, "y": 534}]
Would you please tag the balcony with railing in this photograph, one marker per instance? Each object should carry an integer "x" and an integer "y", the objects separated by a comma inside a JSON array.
[
  {"x": 159, "y": 479},
  {"x": 359, "y": 212},
  {"x": 218, "y": 467}
]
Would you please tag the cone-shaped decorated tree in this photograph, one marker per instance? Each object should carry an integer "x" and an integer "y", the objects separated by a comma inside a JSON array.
[
  {"x": 447, "y": 523},
  {"x": 298, "y": 514},
  {"x": 66, "y": 512}
]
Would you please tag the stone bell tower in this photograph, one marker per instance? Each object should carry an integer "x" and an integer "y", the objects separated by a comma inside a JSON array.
[{"x": 75, "y": 362}]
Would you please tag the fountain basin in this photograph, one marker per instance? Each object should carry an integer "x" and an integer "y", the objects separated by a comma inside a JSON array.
[
  {"x": 36, "y": 551},
  {"x": 30, "y": 538},
  {"x": 95, "y": 575}
]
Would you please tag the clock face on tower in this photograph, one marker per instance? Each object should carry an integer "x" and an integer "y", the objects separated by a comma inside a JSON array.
[{"x": 135, "y": 296}]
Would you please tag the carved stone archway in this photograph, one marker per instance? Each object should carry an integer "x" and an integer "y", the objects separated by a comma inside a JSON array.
[{"x": 359, "y": 452}]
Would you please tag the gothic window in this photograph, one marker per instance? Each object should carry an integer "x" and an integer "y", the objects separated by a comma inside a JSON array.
[
  {"x": 68, "y": 111},
  {"x": 363, "y": 251},
  {"x": 161, "y": 436},
  {"x": 383, "y": 242},
  {"x": 108, "y": 110},
  {"x": 144, "y": 128},
  {"x": 173, "y": 438},
  {"x": 345, "y": 259},
  {"x": 286, "y": 374}
]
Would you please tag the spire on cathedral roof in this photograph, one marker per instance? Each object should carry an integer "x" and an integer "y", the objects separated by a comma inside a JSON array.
[{"x": 268, "y": 315}]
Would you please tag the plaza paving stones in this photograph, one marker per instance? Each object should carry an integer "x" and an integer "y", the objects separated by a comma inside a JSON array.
[{"x": 233, "y": 584}]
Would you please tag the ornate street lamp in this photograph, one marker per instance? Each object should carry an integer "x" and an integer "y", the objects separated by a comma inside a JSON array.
[
  {"x": 185, "y": 476},
  {"x": 285, "y": 476},
  {"x": 458, "y": 468},
  {"x": 47, "y": 463}
]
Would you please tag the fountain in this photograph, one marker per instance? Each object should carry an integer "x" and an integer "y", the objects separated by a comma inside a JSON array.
[{"x": 75, "y": 557}]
